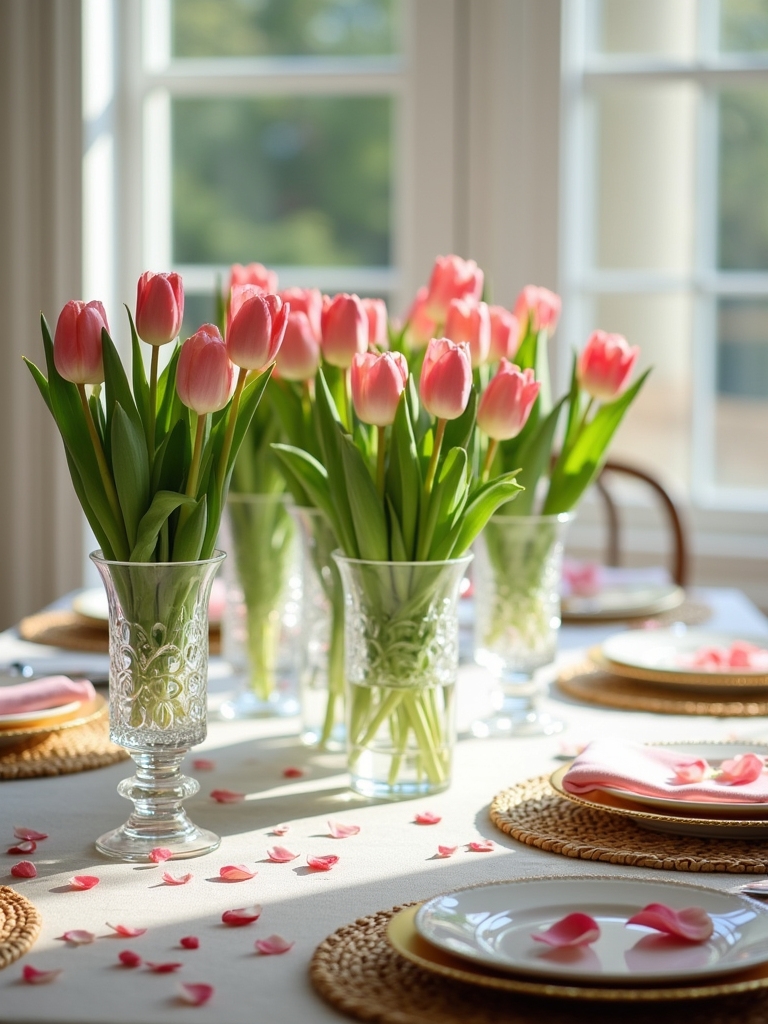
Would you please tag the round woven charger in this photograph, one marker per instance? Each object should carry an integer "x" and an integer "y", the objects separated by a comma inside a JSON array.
[
  {"x": 19, "y": 925},
  {"x": 62, "y": 753},
  {"x": 589, "y": 684},
  {"x": 359, "y": 973},
  {"x": 534, "y": 814},
  {"x": 690, "y": 613},
  {"x": 74, "y": 632}
]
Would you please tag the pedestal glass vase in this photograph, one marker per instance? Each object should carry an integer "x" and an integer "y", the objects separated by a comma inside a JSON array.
[
  {"x": 401, "y": 634},
  {"x": 262, "y": 618},
  {"x": 158, "y": 675},
  {"x": 321, "y": 675},
  {"x": 517, "y": 617}
]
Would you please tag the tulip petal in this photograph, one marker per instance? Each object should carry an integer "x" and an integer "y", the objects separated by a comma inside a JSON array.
[
  {"x": 29, "y": 833},
  {"x": 322, "y": 863},
  {"x": 692, "y": 924},
  {"x": 427, "y": 818},
  {"x": 280, "y": 830},
  {"x": 482, "y": 846},
  {"x": 273, "y": 945},
  {"x": 164, "y": 968},
  {"x": 226, "y": 796},
  {"x": 78, "y": 937},
  {"x": 692, "y": 771},
  {"x": 32, "y": 976},
  {"x": 170, "y": 879},
  {"x": 241, "y": 916},
  {"x": 160, "y": 854},
  {"x": 190, "y": 942},
  {"x": 129, "y": 959},
  {"x": 83, "y": 881},
  {"x": 293, "y": 773},
  {"x": 738, "y": 771},
  {"x": 24, "y": 869},
  {"x": 281, "y": 855},
  {"x": 338, "y": 830},
  {"x": 125, "y": 931},
  {"x": 195, "y": 995},
  {"x": 236, "y": 873},
  {"x": 572, "y": 930},
  {"x": 446, "y": 851},
  {"x": 26, "y": 846},
  {"x": 203, "y": 764}
]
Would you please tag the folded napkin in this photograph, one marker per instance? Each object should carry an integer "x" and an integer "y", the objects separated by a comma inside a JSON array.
[
  {"x": 41, "y": 694},
  {"x": 653, "y": 771}
]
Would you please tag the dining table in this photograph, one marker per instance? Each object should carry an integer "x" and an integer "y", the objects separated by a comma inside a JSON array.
[{"x": 392, "y": 860}]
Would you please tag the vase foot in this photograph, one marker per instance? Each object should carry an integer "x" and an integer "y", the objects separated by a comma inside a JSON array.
[
  {"x": 376, "y": 789},
  {"x": 518, "y": 722},
  {"x": 248, "y": 705},
  {"x": 127, "y": 843}
]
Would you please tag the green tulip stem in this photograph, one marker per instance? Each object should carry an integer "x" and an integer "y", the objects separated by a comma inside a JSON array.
[
  {"x": 347, "y": 399},
  {"x": 583, "y": 422},
  {"x": 194, "y": 469},
  {"x": 490, "y": 455},
  {"x": 106, "y": 476},
  {"x": 221, "y": 470},
  {"x": 152, "y": 402},
  {"x": 381, "y": 452},
  {"x": 432, "y": 470}
]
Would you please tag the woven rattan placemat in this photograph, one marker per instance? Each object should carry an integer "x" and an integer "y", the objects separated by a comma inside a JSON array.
[
  {"x": 360, "y": 974},
  {"x": 690, "y": 613},
  {"x": 591, "y": 685},
  {"x": 534, "y": 814},
  {"x": 62, "y": 753},
  {"x": 74, "y": 632},
  {"x": 19, "y": 925}
]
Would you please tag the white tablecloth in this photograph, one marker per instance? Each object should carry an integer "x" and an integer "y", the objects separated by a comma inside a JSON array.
[{"x": 391, "y": 861}]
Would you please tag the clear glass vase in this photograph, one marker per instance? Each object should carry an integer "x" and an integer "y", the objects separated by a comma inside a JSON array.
[
  {"x": 262, "y": 626},
  {"x": 321, "y": 676},
  {"x": 517, "y": 616},
  {"x": 401, "y": 634},
  {"x": 158, "y": 677}
]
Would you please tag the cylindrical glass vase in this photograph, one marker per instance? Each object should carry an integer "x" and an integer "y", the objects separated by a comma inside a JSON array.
[
  {"x": 158, "y": 679},
  {"x": 262, "y": 626},
  {"x": 401, "y": 634},
  {"x": 517, "y": 616}
]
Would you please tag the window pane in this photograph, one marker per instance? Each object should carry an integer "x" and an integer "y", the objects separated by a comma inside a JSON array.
[
  {"x": 742, "y": 393},
  {"x": 743, "y": 25},
  {"x": 282, "y": 181},
  {"x": 743, "y": 183},
  {"x": 261, "y": 28},
  {"x": 644, "y": 177},
  {"x": 663, "y": 28}
]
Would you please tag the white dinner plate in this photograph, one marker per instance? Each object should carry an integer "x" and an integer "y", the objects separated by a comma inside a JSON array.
[
  {"x": 629, "y": 601},
  {"x": 493, "y": 925},
  {"x": 42, "y": 717},
  {"x": 661, "y": 655}
]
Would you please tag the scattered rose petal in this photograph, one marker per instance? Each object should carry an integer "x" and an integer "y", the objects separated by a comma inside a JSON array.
[
  {"x": 226, "y": 796},
  {"x": 195, "y": 995},
  {"x": 190, "y": 942},
  {"x": 32, "y": 976},
  {"x": 322, "y": 863},
  {"x": 28, "y": 833},
  {"x": 427, "y": 818},
  {"x": 446, "y": 851},
  {"x": 125, "y": 931},
  {"x": 280, "y": 830},
  {"x": 572, "y": 930},
  {"x": 740, "y": 770},
  {"x": 78, "y": 937},
  {"x": 170, "y": 879},
  {"x": 274, "y": 944},
  {"x": 203, "y": 764},
  {"x": 160, "y": 854},
  {"x": 243, "y": 915},
  {"x": 129, "y": 959},
  {"x": 27, "y": 846},
  {"x": 83, "y": 881},
  {"x": 693, "y": 771},
  {"x": 293, "y": 773},
  {"x": 236, "y": 873},
  {"x": 692, "y": 923},
  {"x": 281, "y": 854},
  {"x": 24, "y": 869},
  {"x": 482, "y": 846},
  {"x": 339, "y": 830},
  {"x": 166, "y": 968}
]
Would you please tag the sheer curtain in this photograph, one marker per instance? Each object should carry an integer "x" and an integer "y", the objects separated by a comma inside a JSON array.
[{"x": 40, "y": 268}]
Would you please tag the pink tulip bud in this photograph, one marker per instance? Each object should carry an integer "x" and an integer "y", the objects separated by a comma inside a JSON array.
[
  {"x": 345, "y": 329},
  {"x": 605, "y": 365},
  {"x": 299, "y": 355},
  {"x": 420, "y": 326},
  {"x": 256, "y": 327},
  {"x": 205, "y": 376},
  {"x": 159, "y": 307},
  {"x": 452, "y": 278},
  {"x": 507, "y": 402},
  {"x": 446, "y": 378},
  {"x": 255, "y": 274},
  {"x": 376, "y": 311},
  {"x": 537, "y": 309},
  {"x": 470, "y": 322},
  {"x": 378, "y": 380},
  {"x": 505, "y": 334},
  {"x": 306, "y": 300},
  {"x": 77, "y": 342}
]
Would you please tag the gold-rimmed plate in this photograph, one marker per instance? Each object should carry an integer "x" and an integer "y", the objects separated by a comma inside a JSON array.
[
  {"x": 632, "y": 601},
  {"x": 83, "y": 714}
]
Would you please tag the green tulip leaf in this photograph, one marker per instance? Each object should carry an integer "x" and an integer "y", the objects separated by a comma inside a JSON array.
[
  {"x": 164, "y": 503},
  {"x": 131, "y": 470},
  {"x": 188, "y": 543}
]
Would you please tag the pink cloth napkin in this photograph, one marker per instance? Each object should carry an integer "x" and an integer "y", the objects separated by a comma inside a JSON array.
[
  {"x": 650, "y": 771},
  {"x": 40, "y": 694}
]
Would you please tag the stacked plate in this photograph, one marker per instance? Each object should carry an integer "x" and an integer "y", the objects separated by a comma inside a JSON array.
[
  {"x": 33, "y": 725},
  {"x": 483, "y": 936},
  {"x": 628, "y": 601}
]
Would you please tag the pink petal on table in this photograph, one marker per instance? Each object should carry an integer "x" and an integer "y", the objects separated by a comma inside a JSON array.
[
  {"x": 190, "y": 942},
  {"x": 195, "y": 995},
  {"x": 482, "y": 846},
  {"x": 236, "y": 873},
  {"x": 165, "y": 968},
  {"x": 293, "y": 773},
  {"x": 26, "y": 846},
  {"x": 241, "y": 916},
  {"x": 572, "y": 930},
  {"x": 322, "y": 863},
  {"x": 693, "y": 771},
  {"x": 226, "y": 796},
  {"x": 125, "y": 931},
  {"x": 740, "y": 770},
  {"x": 170, "y": 879},
  {"x": 28, "y": 833},
  {"x": 446, "y": 851},
  {"x": 78, "y": 937},
  {"x": 281, "y": 854},
  {"x": 693, "y": 923},
  {"x": 83, "y": 881},
  {"x": 32, "y": 976},
  {"x": 203, "y": 764},
  {"x": 280, "y": 830},
  {"x": 129, "y": 959},
  {"x": 24, "y": 869},
  {"x": 427, "y": 818},
  {"x": 160, "y": 854},
  {"x": 274, "y": 944},
  {"x": 339, "y": 830}
]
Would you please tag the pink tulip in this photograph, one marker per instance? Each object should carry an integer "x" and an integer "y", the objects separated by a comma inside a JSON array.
[
  {"x": 420, "y": 326},
  {"x": 256, "y": 327},
  {"x": 452, "y": 278},
  {"x": 345, "y": 329},
  {"x": 159, "y": 307},
  {"x": 306, "y": 300},
  {"x": 378, "y": 381},
  {"x": 77, "y": 342},
  {"x": 605, "y": 365},
  {"x": 255, "y": 274},
  {"x": 505, "y": 334},
  {"x": 537, "y": 309},
  {"x": 205, "y": 375},
  {"x": 299, "y": 355},
  {"x": 507, "y": 402},
  {"x": 376, "y": 311},
  {"x": 446, "y": 378},
  {"x": 470, "y": 322}
]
